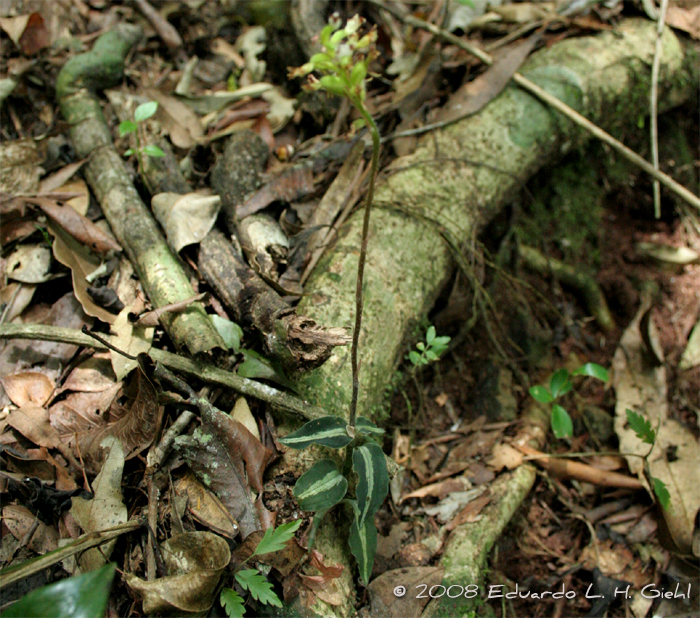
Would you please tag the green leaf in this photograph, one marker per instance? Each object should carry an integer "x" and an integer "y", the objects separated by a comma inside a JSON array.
[
  {"x": 469, "y": 3},
  {"x": 320, "y": 487},
  {"x": 541, "y": 394},
  {"x": 129, "y": 152},
  {"x": 430, "y": 335},
  {"x": 256, "y": 366},
  {"x": 430, "y": 355},
  {"x": 83, "y": 596},
  {"x": 369, "y": 464},
  {"x": 151, "y": 150},
  {"x": 145, "y": 111},
  {"x": 661, "y": 492},
  {"x": 232, "y": 602},
  {"x": 441, "y": 341},
  {"x": 641, "y": 426},
  {"x": 560, "y": 383},
  {"x": 230, "y": 332},
  {"x": 328, "y": 431},
  {"x": 561, "y": 422},
  {"x": 338, "y": 36},
  {"x": 594, "y": 371},
  {"x": 126, "y": 127},
  {"x": 364, "y": 425},
  {"x": 259, "y": 588},
  {"x": 358, "y": 73},
  {"x": 414, "y": 357},
  {"x": 421, "y": 346},
  {"x": 363, "y": 545},
  {"x": 275, "y": 539}
]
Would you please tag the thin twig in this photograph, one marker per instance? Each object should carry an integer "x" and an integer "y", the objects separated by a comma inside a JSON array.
[
  {"x": 552, "y": 101},
  {"x": 654, "y": 95}
]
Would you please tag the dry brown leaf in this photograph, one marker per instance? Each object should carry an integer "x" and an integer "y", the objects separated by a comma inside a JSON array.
[
  {"x": 28, "y": 387},
  {"x": 205, "y": 507},
  {"x": 684, "y": 19},
  {"x": 289, "y": 186},
  {"x": 138, "y": 422},
  {"x": 81, "y": 262},
  {"x": 177, "y": 120},
  {"x": 186, "y": 219},
  {"x": 505, "y": 456},
  {"x": 640, "y": 385},
  {"x": 439, "y": 490},
  {"x": 32, "y": 421},
  {"x": 79, "y": 227},
  {"x": 194, "y": 562},
  {"x": 60, "y": 178},
  {"x": 29, "y": 264},
  {"x": 152, "y": 318},
  {"x": 474, "y": 95},
  {"x": 19, "y": 521}
]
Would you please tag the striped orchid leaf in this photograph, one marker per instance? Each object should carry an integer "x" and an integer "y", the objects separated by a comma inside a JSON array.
[
  {"x": 328, "y": 431},
  {"x": 363, "y": 545},
  {"x": 369, "y": 464},
  {"x": 364, "y": 425},
  {"x": 320, "y": 487}
]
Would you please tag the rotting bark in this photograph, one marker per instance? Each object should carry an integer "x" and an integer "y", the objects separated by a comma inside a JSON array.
[
  {"x": 158, "y": 269},
  {"x": 460, "y": 177},
  {"x": 297, "y": 342}
]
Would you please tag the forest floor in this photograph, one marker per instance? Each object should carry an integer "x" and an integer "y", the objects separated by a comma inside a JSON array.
[{"x": 451, "y": 423}]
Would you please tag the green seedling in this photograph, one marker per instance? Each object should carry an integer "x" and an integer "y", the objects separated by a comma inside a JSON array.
[
  {"x": 251, "y": 580},
  {"x": 559, "y": 385},
  {"x": 644, "y": 431},
  {"x": 343, "y": 66},
  {"x": 142, "y": 113},
  {"x": 430, "y": 350}
]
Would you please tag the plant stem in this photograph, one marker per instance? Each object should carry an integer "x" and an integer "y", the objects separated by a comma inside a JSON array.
[{"x": 374, "y": 131}]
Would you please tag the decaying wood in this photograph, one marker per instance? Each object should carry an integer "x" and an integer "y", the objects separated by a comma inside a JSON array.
[
  {"x": 135, "y": 229},
  {"x": 297, "y": 342}
]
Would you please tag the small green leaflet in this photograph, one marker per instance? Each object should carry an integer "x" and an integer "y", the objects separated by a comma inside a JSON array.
[
  {"x": 126, "y": 127},
  {"x": 145, "y": 111},
  {"x": 365, "y": 426},
  {"x": 275, "y": 539},
  {"x": 561, "y": 422},
  {"x": 594, "y": 371},
  {"x": 151, "y": 150},
  {"x": 232, "y": 602},
  {"x": 369, "y": 464},
  {"x": 259, "y": 588},
  {"x": 541, "y": 394},
  {"x": 328, "y": 431},
  {"x": 320, "y": 487},
  {"x": 560, "y": 383},
  {"x": 230, "y": 332},
  {"x": 641, "y": 426},
  {"x": 363, "y": 545},
  {"x": 83, "y": 596},
  {"x": 661, "y": 492}
]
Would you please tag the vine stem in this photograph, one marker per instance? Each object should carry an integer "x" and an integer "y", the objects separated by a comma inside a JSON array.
[{"x": 359, "y": 295}]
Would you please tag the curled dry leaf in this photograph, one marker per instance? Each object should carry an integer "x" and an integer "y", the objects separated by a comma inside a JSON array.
[
  {"x": 106, "y": 509},
  {"x": 28, "y": 387},
  {"x": 186, "y": 219},
  {"x": 152, "y": 318},
  {"x": 205, "y": 507},
  {"x": 130, "y": 338},
  {"x": 194, "y": 562}
]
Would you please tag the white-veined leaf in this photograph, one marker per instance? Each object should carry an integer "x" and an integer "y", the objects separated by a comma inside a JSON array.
[
  {"x": 364, "y": 425},
  {"x": 369, "y": 464},
  {"x": 320, "y": 487},
  {"x": 328, "y": 431},
  {"x": 363, "y": 545}
]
